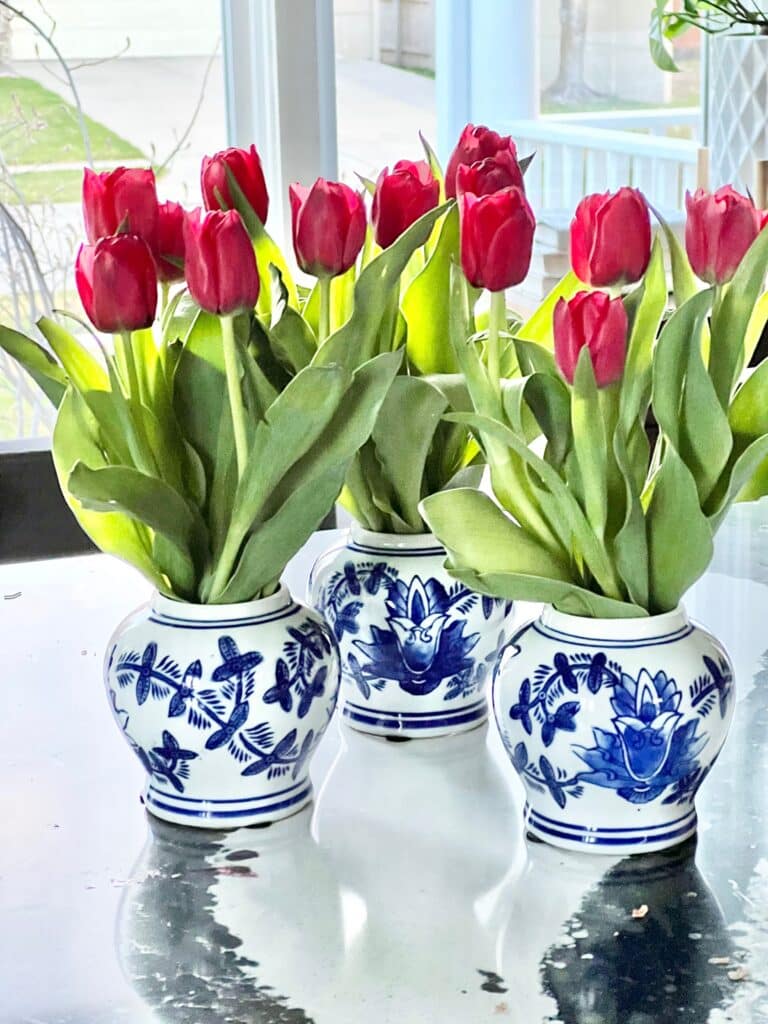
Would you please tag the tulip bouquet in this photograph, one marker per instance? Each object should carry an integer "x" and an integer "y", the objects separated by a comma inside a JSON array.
[
  {"x": 591, "y": 516},
  {"x": 414, "y": 451},
  {"x": 208, "y": 442}
]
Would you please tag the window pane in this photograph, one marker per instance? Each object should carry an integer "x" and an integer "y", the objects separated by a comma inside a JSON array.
[{"x": 149, "y": 80}]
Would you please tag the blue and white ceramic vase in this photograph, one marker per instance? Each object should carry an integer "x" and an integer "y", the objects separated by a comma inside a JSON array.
[
  {"x": 224, "y": 705},
  {"x": 612, "y": 725},
  {"x": 417, "y": 647}
]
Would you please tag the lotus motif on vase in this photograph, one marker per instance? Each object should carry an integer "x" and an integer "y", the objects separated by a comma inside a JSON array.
[
  {"x": 423, "y": 645},
  {"x": 651, "y": 747}
]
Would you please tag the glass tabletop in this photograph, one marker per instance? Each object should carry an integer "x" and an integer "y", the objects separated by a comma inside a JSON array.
[{"x": 406, "y": 893}]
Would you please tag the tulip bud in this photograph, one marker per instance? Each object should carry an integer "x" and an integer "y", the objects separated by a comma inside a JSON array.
[
  {"x": 170, "y": 242},
  {"x": 328, "y": 227},
  {"x": 245, "y": 167},
  {"x": 490, "y": 175},
  {"x": 401, "y": 197},
  {"x": 720, "y": 228},
  {"x": 496, "y": 238},
  {"x": 220, "y": 265},
  {"x": 611, "y": 238},
  {"x": 599, "y": 322},
  {"x": 121, "y": 200},
  {"x": 476, "y": 142},
  {"x": 117, "y": 283}
]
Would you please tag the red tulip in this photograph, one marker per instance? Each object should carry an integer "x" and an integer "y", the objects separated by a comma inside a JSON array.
[
  {"x": 476, "y": 142},
  {"x": 720, "y": 228},
  {"x": 220, "y": 265},
  {"x": 117, "y": 283},
  {"x": 401, "y": 197},
  {"x": 121, "y": 200},
  {"x": 496, "y": 238},
  {"x": 490, "y": 175},
  {"x": 611, "y": 238},
  {"x": 170, "y": 242},
  {"x": 245, "y": 167},
  {"x": 599, "y": 322},
  {"x": 328, "y": 227}
]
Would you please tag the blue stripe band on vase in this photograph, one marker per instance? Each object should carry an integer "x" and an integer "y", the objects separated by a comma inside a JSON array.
[
  {"x": 257, "y": 805},
  {"x": 417, "y": 721},
  {"x": 448, "y": 713},
  {"x": 608, "y": 644},
  {"x": 397, "y": 552},
  {"x": 259, "y": 620},
  {"x": 613, "y": 837}
]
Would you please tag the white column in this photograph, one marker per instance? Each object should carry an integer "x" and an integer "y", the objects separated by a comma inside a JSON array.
[
  {"x": 280, "y": 76},
  {"x": 487, "y": 64}
]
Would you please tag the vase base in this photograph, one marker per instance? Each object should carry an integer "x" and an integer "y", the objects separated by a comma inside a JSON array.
[
  {"x": 611, "y": 841},
  {"x": 414, "y": 725},
  {"x": 224, "y": 814}
]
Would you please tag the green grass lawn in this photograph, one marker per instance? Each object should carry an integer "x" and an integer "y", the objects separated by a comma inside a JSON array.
[{"x": 39, "y": 127}]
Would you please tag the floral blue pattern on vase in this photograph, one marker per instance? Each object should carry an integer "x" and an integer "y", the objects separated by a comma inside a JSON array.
[
  {"x": 417, "y": 648},
  {"x": 613, "y": 726},
  {"x": 224, "y": 705}
]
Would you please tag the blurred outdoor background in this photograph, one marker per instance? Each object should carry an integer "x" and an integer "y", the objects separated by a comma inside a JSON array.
[{"x": 135, "y": 81}]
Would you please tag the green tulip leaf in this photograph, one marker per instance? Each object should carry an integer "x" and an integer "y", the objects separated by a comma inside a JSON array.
[
  {"x": 354, "y": 343},
  {"x": 648, "y": 311},
  {"x": 731, "y": 318},
  {"x": 630, "y": 545},
  {"x": 685, "y": 284},
  {"x": 403, "y": 436},
  {"x": 39, "y": 364},
  {"x": 84, "y": 372},
  {"x": 590, "y": 443},
  {"x": 679, "y": 536},
  {"x": 549, "y": 400},
  {"x": 424, "y": 307},
  {"x": 76, "y": 439}
]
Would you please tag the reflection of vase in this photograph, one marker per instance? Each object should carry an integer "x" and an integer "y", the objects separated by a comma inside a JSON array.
[
  {"x": 417, "y": 648},
  {"x": 421, "y": 901},
  {"x": 738, "y": 102},
  {"x": 613, "y": 724},
  {"x": 598, "y": 961},
  {"x": 224, "y": 705},
  {"x": 209, "y": 913}
]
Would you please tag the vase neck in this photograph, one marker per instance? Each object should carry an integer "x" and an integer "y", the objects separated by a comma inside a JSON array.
[
  {"x": 368, "y": 541},
  {"x": 168, "y": 610},
  {"x": 658, "y": 628}
]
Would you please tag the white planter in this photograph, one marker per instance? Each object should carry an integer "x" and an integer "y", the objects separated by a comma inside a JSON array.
[
  {"x": 738, "y": 109},
  {"x": 223, "y": 705},
  {"x": 417, "y": 647},
  {"x": 612, "y": 725}
]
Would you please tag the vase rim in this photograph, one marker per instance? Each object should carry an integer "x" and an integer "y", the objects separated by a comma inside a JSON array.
[
  {"x": 186, "y": 611},
  {"x": 394, "y": 541},
  {"x": 615, "y": 629}
]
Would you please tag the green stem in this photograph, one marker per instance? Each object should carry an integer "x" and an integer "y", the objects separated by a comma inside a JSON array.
[
  {"x": 324, "y": 327},
  {"x": 497, "y": 322},
  {"x": 130, "y": 363},
  {"x": 165, "y": 289},
  {"x": 237, "y": 408}
]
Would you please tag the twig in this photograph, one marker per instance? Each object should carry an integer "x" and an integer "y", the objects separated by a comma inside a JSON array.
[
  {"x": 65, "y": 67},
  {"x": 159, "y": 168}
]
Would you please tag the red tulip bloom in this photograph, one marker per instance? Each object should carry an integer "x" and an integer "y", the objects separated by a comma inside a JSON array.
[
  {"x": 121, "y": 200},
  {"x": 490, "y": 175},
  {"x": 245, "y": 167},
  {"x": 476, "y": 142},
  {"x": 720, "y": 228},
  {"x": 611, "y": 238},
  {"x": 496, "y": 238},
  {"x": 220, "y": 265},
  {"x": 170, "y": 242},
  {"x": 117, "y": 283},
  {"x": 401, "y": 197},
  {"x": 599, "y": 322},
  {"x": 328, "y": 227}
]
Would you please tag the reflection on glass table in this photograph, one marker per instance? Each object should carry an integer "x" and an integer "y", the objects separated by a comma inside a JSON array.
[{"x": 406, "y": 893}]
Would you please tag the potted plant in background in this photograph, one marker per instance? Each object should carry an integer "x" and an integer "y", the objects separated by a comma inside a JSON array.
[
  {"x": 737, "y": 79},
  {"x": 195, "y": 450},
  {"x": 416, "y": 646},
  {"x": 613, "y": 706}
]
